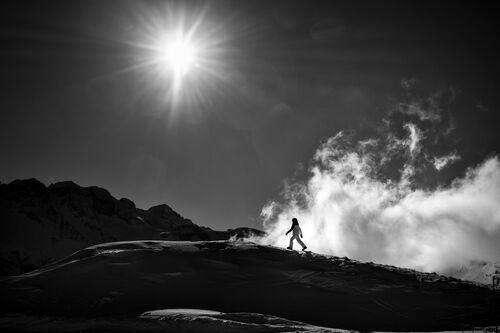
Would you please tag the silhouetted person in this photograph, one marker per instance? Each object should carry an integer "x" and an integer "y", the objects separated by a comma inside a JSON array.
[{"x": 297, "y": 234}]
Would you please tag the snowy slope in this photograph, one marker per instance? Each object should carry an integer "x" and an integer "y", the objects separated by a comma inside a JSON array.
[
  {"x": 129, "y": 278},
  {"x": 169, "y": 320}
]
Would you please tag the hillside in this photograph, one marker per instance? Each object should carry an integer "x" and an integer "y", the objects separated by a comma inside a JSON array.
[
  {"x": 126, "y": 279},
  {"x": 39, "y": 224}
]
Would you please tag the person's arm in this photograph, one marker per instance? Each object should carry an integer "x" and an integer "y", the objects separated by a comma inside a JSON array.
[
  {"x": 300, "y": 229},
  {"x": 289, "y": 231}
]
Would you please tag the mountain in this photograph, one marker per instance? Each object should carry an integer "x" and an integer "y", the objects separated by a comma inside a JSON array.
[
  {"x": 113, "y": 284},
  {"x": 39, "y": 224}
]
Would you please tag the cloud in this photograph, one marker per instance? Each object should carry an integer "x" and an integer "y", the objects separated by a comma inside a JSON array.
[
  {"x": 345, "y": 212},
  {"x": 431, "y": 109},
  {"x": 443, "y": 161},
  {"x": 417, "y": 110},
  {"x": 350, "y": 206},
  {"x": 414, "y": 138}
]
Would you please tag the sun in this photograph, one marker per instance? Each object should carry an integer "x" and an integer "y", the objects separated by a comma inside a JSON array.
[
  {"x": 180, "y": 58},
  {"x": 178, "y": 55}
]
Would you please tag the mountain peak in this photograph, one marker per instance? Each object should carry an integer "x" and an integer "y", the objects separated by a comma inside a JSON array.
[
  {"x": 47, "y": 223},
  {"x": 160, "y": 209},
  {"x": 64, "y": 184}
]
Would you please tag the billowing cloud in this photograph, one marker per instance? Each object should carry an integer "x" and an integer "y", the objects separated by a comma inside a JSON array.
[
  {"x": 348, "y": 207},
  {"x": 345, "y": 212}
]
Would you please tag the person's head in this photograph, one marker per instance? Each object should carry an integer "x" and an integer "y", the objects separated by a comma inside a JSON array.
[{"x": 295, "y": 221}]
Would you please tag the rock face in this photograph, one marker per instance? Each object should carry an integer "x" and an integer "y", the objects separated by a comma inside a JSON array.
[
  {"x": 39, "y": 224},
  {"x": 125, "y": 279}
]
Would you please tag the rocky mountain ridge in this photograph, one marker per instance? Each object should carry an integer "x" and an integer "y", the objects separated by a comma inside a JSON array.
[{"x": 39, "y": 224}]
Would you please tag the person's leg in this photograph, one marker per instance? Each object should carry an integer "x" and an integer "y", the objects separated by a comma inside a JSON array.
[
  {"x": 301, "y": 242},
  {"x": 291, "y": 243}
]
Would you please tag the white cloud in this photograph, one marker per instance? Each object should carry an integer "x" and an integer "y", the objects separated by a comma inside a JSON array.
[
  {"x": 416, "y": 109},
  {"x": 415, "y": 135},
  {"x": 408, "y": 83},
  {"x": 349, "y": 213},
  {"x": 443, "y": 161},
  {"x": 354, "y": 205},
  {"x": 431, "y": 109}
]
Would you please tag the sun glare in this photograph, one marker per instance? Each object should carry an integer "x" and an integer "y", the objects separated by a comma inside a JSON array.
[
  {"x": 179, "y": 55},
  {"x": 181, "y": 51}
]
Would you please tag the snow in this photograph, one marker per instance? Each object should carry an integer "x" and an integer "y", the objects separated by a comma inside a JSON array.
[
  {"x": 196, "y": 320},
  {"x": 172, "y": 320},
  {"x": 243, "y": 284},
  {"x": 167, "y": 312},
  {"x": 169, "y": 320}
]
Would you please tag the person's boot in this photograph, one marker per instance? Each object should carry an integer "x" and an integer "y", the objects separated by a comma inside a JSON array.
[
  {"x": 304, "y": 248},
  {"x": 289, "y": 248}
]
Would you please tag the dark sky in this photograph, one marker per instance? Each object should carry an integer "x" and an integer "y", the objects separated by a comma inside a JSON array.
[{"x": 76, "y": 106}]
